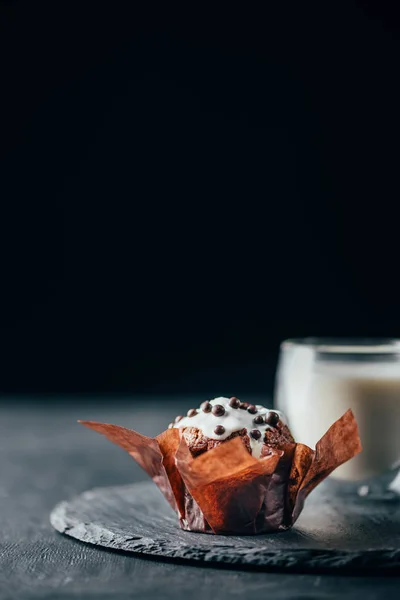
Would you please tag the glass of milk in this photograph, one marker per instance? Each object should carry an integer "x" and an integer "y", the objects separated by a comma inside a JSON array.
[{"x": 319, "y": 379}]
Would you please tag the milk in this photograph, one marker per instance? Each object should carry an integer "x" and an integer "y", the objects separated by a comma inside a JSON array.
[{"x": 314, "y": 393}]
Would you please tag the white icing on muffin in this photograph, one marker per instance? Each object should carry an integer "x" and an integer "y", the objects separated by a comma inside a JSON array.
[{"x": 221, "y": 417}]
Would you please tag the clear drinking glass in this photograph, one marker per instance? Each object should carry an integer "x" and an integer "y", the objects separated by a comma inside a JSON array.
[{"x": 318, "y": 379}]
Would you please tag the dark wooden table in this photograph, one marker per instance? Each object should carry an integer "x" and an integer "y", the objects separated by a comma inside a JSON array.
[{"x": 47, "y": 457}]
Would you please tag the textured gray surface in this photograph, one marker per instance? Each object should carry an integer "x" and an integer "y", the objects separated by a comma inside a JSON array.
[
  {"x": 46, "y": 457},
  {"x": 331, "y": 534}
]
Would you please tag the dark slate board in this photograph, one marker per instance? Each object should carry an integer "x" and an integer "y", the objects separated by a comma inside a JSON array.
[{"x": 335, "y": 532}]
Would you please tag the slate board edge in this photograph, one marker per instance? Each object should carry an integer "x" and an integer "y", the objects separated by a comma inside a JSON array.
[{"x": 383, "y": 561}]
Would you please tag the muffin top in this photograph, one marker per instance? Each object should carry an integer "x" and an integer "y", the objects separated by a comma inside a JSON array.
[{"x": 221, "y": 417}]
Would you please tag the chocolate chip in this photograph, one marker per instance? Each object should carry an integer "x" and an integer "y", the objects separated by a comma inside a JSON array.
[
  {"x": 178, "y": 418},
  {"x": 192, "y": 412},
  {"x": 255, "y": 434},
  {"x": 252, "y": 409},
  {"x": 206, "y": 407},
  {"x": 218, "y": 410},
  {"x": 234, "y": 402},
  {"x": 272, "y": 418},
  {"x": 170, "y": 426},
  {"x": 220, "y": 429},
  {"x": 244, "y": 405},
  {"x": 258, "y": 420}
]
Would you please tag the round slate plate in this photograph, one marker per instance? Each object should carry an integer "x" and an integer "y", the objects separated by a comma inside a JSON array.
[{"x": 334, "y": 532}]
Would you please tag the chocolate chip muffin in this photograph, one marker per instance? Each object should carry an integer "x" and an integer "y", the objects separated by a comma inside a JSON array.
[{"x": 222, "y": 419}]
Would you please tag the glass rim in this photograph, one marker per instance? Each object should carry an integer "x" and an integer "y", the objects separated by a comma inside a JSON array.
[{"x": 346, "y": 345}]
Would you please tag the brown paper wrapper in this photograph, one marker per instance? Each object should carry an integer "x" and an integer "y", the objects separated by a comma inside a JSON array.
[{"x": 228, "y": 491}]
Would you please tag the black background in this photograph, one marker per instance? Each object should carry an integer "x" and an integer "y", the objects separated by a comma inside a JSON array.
[{"x": 182, "y": 190}]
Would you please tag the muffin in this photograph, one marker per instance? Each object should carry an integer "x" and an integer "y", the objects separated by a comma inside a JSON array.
[{"x": 233, "y": 468}]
